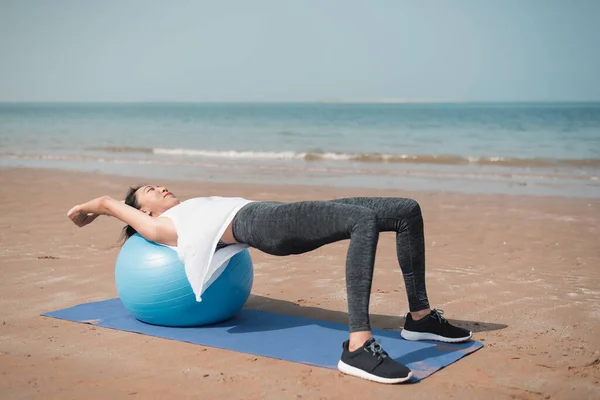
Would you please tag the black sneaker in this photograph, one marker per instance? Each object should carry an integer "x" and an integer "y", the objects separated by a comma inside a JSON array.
[
  {"x": 373, "y": 363},
  {"x": 434, "y": 327}
]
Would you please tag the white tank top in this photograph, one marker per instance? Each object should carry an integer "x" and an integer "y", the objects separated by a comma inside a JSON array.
[{"x": 200, "y": 223}]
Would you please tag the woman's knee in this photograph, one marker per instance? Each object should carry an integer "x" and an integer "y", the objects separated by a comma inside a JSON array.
[{"x": 413, "y": 207}]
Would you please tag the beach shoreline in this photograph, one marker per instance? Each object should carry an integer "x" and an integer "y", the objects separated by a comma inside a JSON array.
[
  {"x": 461, "y": 179},
  {"x": 521, "y": 271}
]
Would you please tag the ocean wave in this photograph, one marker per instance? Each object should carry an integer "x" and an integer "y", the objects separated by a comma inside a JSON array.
[
  {"x": 358, "y": 157},
  {"x": 333, "y": 170},
  {"x": 283, "y": 155}
]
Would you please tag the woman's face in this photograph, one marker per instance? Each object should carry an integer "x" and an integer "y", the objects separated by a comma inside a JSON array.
[{"x": 155, "y": 200}]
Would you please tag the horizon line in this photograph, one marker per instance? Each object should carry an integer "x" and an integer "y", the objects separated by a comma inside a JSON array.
[{"x": 315, "y": 101}]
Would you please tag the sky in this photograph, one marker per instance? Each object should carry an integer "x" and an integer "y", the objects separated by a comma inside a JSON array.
[{"x": 274, "y": 50}]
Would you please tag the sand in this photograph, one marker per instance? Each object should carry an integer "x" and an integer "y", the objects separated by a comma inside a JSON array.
[{"x": 522, "y": 272}]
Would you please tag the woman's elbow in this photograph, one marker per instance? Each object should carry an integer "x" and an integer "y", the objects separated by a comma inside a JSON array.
[
  {"x": 105, "y": 203},
  {"x": 150, "y": 233}
]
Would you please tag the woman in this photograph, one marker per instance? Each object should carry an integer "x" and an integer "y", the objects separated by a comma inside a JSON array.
[{"x": 294, "y": 228}]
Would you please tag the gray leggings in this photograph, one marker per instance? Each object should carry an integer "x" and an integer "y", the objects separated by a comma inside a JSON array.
[{"x": 293, "y": 228}]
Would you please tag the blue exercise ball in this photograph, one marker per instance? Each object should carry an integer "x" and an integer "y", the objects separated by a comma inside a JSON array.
[{"x": 153, "y": 286}]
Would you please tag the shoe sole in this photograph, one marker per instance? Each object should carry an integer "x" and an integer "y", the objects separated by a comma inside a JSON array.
[
  {"x": 350, "y": 370},
  {"x": 409, "y": 335}
]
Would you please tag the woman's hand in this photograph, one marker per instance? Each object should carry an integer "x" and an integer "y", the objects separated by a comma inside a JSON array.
[
  {"x": 81, "y": 218},
  {"x": 84, "y": 214}
]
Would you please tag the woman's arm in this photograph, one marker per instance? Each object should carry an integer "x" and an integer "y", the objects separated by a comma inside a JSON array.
[{"x": 159, "y": 230}]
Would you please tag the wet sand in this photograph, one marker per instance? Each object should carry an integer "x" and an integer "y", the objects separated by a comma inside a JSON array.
[{"x": 522, "y": 272}]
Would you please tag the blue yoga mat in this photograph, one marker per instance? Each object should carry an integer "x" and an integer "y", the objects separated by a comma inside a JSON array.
[{"x": 297, "y": 339}]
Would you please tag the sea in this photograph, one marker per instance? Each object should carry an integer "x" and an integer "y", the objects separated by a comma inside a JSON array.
[{"x": 539, "y": 149}]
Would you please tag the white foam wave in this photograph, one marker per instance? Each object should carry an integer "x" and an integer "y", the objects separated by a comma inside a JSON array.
[
  {"x": 493, "y": 159},
  {"x": 272, "y": 155},
  {"x": 284, "y": 155}
]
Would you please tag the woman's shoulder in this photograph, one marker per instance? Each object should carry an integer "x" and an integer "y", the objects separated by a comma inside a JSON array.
[
  {"x": 184, "y": 206},
  {"x": 197, "y": 202}
]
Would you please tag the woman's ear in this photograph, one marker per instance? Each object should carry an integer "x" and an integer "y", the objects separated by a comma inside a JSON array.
[{"x": 145, "y": 211}]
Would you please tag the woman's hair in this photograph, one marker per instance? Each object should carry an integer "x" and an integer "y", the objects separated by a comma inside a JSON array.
[{"x": 130, "y": 200}]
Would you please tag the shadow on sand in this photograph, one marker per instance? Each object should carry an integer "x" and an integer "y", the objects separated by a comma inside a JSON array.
[{"x": 386, "y": 322}]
